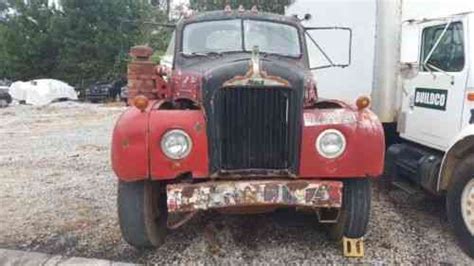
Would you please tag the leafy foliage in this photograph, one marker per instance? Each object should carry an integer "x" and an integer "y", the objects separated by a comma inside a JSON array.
[
  {"x": 273, "y": 6},
  {"x": 79, "y": 42},
  {"x": 82, "y": 41}
]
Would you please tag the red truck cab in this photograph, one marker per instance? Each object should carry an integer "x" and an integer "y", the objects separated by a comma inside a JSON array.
[{"x": 236, "y": 125}]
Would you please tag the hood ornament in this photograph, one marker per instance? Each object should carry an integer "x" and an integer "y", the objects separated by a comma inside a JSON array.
[
  {"x": 256, "y": 62},
  {"x": 255, "y": 76}
]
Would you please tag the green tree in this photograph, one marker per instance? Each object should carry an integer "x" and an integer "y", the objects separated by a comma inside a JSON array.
[
  {"x": 97, "y": 35},
  {"x": 28, "y": 48},
  {"x": 79, "y": 41}
]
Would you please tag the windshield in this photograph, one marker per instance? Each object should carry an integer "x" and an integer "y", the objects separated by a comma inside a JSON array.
[{"x": 237, "y": 36}]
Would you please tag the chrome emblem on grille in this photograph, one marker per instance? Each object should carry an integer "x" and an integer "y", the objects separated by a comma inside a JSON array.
[{"x": 255, "y": 76}]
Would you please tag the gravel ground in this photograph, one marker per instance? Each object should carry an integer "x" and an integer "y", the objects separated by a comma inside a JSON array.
[{"x": 58, "y": 195}]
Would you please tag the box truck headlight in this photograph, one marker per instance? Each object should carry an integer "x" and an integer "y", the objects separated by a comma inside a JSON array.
[
  {"x": 331, "y": 143},
  {"x": 176, "y": 144}
]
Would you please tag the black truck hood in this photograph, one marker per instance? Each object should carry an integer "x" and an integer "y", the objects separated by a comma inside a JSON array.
[
  {"x": 237, "y": 75},
  {"x": 215, "y": 72}
]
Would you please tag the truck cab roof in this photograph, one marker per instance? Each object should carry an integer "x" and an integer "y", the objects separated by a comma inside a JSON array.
[{"x": 235, "y": 14}]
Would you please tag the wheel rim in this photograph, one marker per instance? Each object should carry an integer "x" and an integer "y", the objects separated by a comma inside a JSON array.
[{"x": 467, "y": 206}]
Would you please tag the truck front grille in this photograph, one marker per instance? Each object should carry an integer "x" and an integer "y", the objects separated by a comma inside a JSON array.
[{"x": 254, "y": 128}]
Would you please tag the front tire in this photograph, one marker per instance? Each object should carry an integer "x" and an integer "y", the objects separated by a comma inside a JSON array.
[
  {"x": 460, "y": 204},
  {"x": 355, "y": 211},
  {"x": 142, "y": 213}
]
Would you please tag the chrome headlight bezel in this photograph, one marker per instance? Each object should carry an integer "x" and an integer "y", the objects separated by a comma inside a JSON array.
[
  {"x": 174, "y": 132},
  {"x": 326, "y": 133}
]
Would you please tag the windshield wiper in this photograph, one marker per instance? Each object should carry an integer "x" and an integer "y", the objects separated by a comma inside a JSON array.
[
  {"x": 266, "y": 54},
  {"x": 214, "y": 53},
  {"x": 431, "y": 66},
  {"x": 204, "y": 54}
]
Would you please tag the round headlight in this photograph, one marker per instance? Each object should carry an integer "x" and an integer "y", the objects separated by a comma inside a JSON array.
[
  {"x": 331, "y": 143},
  {"x": 176, "y": 144}
]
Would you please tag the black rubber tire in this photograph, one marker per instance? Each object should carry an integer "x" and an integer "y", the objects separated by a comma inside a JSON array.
[
  {"x": 463, "y": 173},
  {"x": 142, "y": 213},
  {"x": 355, "y": 212}
]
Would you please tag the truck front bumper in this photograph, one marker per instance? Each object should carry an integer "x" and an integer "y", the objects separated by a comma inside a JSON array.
[{"x": 249, "y": 193}]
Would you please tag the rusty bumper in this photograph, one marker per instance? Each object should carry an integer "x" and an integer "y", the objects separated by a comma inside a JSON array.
[{"x": 225, "y": 194}]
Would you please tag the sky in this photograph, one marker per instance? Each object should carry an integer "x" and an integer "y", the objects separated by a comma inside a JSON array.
[{"x": 178, "y": 2}]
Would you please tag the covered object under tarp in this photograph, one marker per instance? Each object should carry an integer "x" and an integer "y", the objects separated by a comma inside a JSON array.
[{"x": 41, "y": 91}]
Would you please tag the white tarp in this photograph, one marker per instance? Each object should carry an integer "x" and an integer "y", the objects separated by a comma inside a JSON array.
[{"x": 41, "y": 91}]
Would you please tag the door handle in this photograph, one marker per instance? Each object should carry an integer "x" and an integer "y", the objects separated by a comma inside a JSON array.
[{"x": 411, "y": 100}]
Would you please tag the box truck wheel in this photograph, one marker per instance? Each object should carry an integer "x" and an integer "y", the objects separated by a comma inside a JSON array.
[
  {"x": 354, "y": 216},
  {"x": 142, "y": 213},
  {"x": 460, "y": 204}
]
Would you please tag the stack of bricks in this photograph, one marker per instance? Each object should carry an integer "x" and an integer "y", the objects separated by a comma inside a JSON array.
[{"x": 143, "y": 78}]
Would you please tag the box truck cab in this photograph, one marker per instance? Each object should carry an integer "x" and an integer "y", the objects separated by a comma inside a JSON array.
[
  {"x": 436, "y": 115},
  {"x": 437, "y": 80}
]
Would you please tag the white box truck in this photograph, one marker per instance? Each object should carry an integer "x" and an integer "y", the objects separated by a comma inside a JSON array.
[{"x": 415, "y": 60}]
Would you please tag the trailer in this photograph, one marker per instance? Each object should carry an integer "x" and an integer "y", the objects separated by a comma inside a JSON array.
[{"x": 414, "y": 59}]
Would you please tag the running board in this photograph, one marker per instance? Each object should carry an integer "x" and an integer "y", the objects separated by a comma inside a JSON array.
[{"x": 408, "y": 188}]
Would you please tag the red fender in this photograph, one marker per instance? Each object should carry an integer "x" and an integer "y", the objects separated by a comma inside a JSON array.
[
  {"x": 365, "y": 148},
  {"x": 136, "y": 144},
  {"x": 130, "y": 147},
  {"x": 193, "y": 123}
]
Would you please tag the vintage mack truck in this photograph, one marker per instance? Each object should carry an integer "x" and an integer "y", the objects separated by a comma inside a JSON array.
[{"x": 235, "y": 124}]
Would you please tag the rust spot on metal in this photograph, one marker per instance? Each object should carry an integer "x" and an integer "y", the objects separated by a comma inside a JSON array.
[
  {"x": 252, "y": 193},
  {"x": 329, "y": 117},
  {"x": 198, "y": 127},
  {"x": 175, "y": 165},
  {"x": 187, "y": 191},
  {"x": 297, "y": 185},
  {"x": 125, "y": 143}
]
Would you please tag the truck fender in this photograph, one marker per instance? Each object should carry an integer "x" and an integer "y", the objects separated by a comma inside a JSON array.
[
  {"x": 462, "y": 145},
  {"x": 129, "y": 149}
]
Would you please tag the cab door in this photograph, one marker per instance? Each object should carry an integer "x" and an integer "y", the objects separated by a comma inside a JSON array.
[{"x": 432, "y": 103}]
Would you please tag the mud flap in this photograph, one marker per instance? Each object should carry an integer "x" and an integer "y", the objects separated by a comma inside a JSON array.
[{"x": 353, "y": 247}]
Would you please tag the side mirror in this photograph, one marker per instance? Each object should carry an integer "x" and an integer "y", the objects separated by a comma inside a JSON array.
[
  {"x": 329, "y": 47},
  {"x": 410, "y": 50},
  {"x": 410, "y": 44}
]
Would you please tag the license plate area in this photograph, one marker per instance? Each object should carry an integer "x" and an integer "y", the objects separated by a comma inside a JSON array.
[{"x": 227, "y": 194}]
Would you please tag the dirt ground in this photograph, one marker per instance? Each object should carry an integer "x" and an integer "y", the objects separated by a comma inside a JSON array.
[{"x": 58, "y": 195}]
